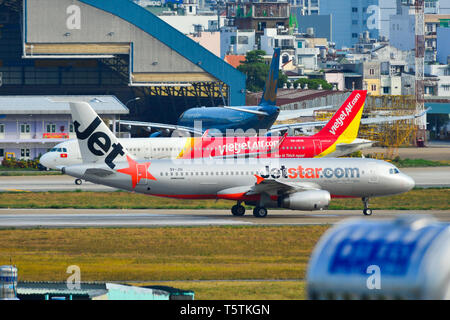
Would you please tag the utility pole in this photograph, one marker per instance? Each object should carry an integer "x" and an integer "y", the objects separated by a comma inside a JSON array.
[{"x": 420, "y": 64}]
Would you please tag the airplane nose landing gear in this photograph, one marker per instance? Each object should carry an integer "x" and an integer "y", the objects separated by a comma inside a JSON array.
[
  {"x": 78, "y": 181},
  {"x": 367, "y": 211}
]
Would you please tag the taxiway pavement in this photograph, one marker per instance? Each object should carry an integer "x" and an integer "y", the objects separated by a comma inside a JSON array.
[{"x": 60, "y": 218}]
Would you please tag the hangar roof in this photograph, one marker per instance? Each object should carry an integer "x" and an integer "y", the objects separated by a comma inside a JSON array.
[{"x": 58, "y": 104}]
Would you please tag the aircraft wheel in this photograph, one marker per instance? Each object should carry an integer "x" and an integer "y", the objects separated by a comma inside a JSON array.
[
  {"x": 238, "y": 210},
  {"x": 260, "y": 212},
  {"x": 78, "y": 181},
  {"x": 367, "y": 212}
]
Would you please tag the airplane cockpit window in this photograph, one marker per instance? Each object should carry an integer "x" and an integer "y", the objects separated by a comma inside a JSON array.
[{"x": 394, "y": 171}]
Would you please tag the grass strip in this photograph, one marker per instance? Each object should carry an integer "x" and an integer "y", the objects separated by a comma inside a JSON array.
[
  {"x": 240, "y": 290},
  {"x": 171, "y": 253},
  {"x": 414, "y": 163}
]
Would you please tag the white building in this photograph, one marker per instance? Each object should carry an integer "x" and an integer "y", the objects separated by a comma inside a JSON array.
[
  {"x": 192, "y": 23},
  {"x": 443, "y": 83},
  {"x": 307, "y": 7},
  {"x": 274, "y": 38},
  {"x": 234, "y": 41},
  {"x": 306, "y": 56}
]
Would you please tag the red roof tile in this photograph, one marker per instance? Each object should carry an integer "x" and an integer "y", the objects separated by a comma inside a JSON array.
[{"x": 234, "y": 59}]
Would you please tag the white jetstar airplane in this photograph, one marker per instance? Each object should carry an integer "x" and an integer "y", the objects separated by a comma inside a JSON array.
[{"x": 297, "y": 184}]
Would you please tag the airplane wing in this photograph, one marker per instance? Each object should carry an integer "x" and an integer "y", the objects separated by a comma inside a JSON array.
[
  {"x": 160, "y": 126},
  {"x": 390, "y": 119},
  {"x": 270, "y": 186},
  {"x": 274, "y": 185},
  {"x": 293, "y": 114},
  {"x": 300, "y": 125},
  {"x": 357, "y": 142},
  {"x": 260, "y": 113},
  {"x": 346, "y": 148},
  {"x": 292, "y": 126}
]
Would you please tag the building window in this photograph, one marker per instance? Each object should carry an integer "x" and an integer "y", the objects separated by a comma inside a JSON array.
[
  {"x": 354, "y": 9},
  {"x": 71, "y": 127},
  {"x": 299, "y": 44},
  {"x": 243, "y": 40},
  {"x": 386, "y": 90},
  {"x": 374, "y": 87},
  {"x": 2, "y": 153},
  {"x": 233, "y": 40},
  {"x": 261, "y": 26},
  {"x": 51, "y": 127},
  {"x": 354, "y": 35},
  {"x": 371, "y": 72},
  {"x": 24, "y": 128},
  {"x": 2, "y": 128},
  {"x": 354, "y": 22},
  {"x": 25, "y": 153}
]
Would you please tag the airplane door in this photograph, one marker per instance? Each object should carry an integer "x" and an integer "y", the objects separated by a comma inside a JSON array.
[
  {"x": 317, "y": 147},
  {"x": 142, "y": 174},
  {"x": 373, "y": 176}
]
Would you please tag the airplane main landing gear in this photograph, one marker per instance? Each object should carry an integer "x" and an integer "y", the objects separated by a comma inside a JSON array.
[
  {"x": 78, "y": 181},
  {"x": 367, "y": 211},
  {"x": 238, "y": 210},
  {"x": 260, "y": 212}
]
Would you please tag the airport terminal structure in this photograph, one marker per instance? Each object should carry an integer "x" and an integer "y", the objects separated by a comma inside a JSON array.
[
  {"x": 110, "y": 48},
  {"x": 31, "y": 125}
]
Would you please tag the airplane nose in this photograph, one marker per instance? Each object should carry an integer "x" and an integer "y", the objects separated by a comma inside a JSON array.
[
  {"x": 408, "y": 182},
  {"x": 45, "y": 161}
]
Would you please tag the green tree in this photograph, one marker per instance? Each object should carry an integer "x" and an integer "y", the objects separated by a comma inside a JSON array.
[
  {"x": 313, "y": 83},
  {"x": 257, "y": 70}
]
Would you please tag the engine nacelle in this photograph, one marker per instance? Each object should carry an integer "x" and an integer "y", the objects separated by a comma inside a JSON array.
[{"x": 307, "y": 200}]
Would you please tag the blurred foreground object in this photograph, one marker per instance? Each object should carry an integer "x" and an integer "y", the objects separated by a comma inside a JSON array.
[{"x": 405, "y": 258}]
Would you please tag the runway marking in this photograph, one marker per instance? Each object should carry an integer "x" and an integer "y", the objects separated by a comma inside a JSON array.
[{"x": 17, "y": 190}]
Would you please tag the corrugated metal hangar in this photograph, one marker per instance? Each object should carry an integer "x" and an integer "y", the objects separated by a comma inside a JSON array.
[{"x": 110, "y": 47}]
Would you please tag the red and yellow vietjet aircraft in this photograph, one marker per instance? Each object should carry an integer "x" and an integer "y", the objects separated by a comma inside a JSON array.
[{"x": 337, "y": 138}]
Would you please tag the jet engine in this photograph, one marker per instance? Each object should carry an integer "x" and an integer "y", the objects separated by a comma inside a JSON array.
[{"x": 307, "y": 200}]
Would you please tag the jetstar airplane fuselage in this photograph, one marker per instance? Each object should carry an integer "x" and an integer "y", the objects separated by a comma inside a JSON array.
[
  {"x": 298, "y": 184},
  {"x": 254, "y": 181}
]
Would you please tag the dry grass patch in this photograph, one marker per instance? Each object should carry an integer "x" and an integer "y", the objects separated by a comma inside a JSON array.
[
  {"x": 241, "y": 290},
  {"x": 166, "y": 253}
]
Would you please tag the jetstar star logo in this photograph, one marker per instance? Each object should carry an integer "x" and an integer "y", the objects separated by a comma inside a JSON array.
[
  {"x": 137, "y": 171},
  {"x": 259, "y": 179}
]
